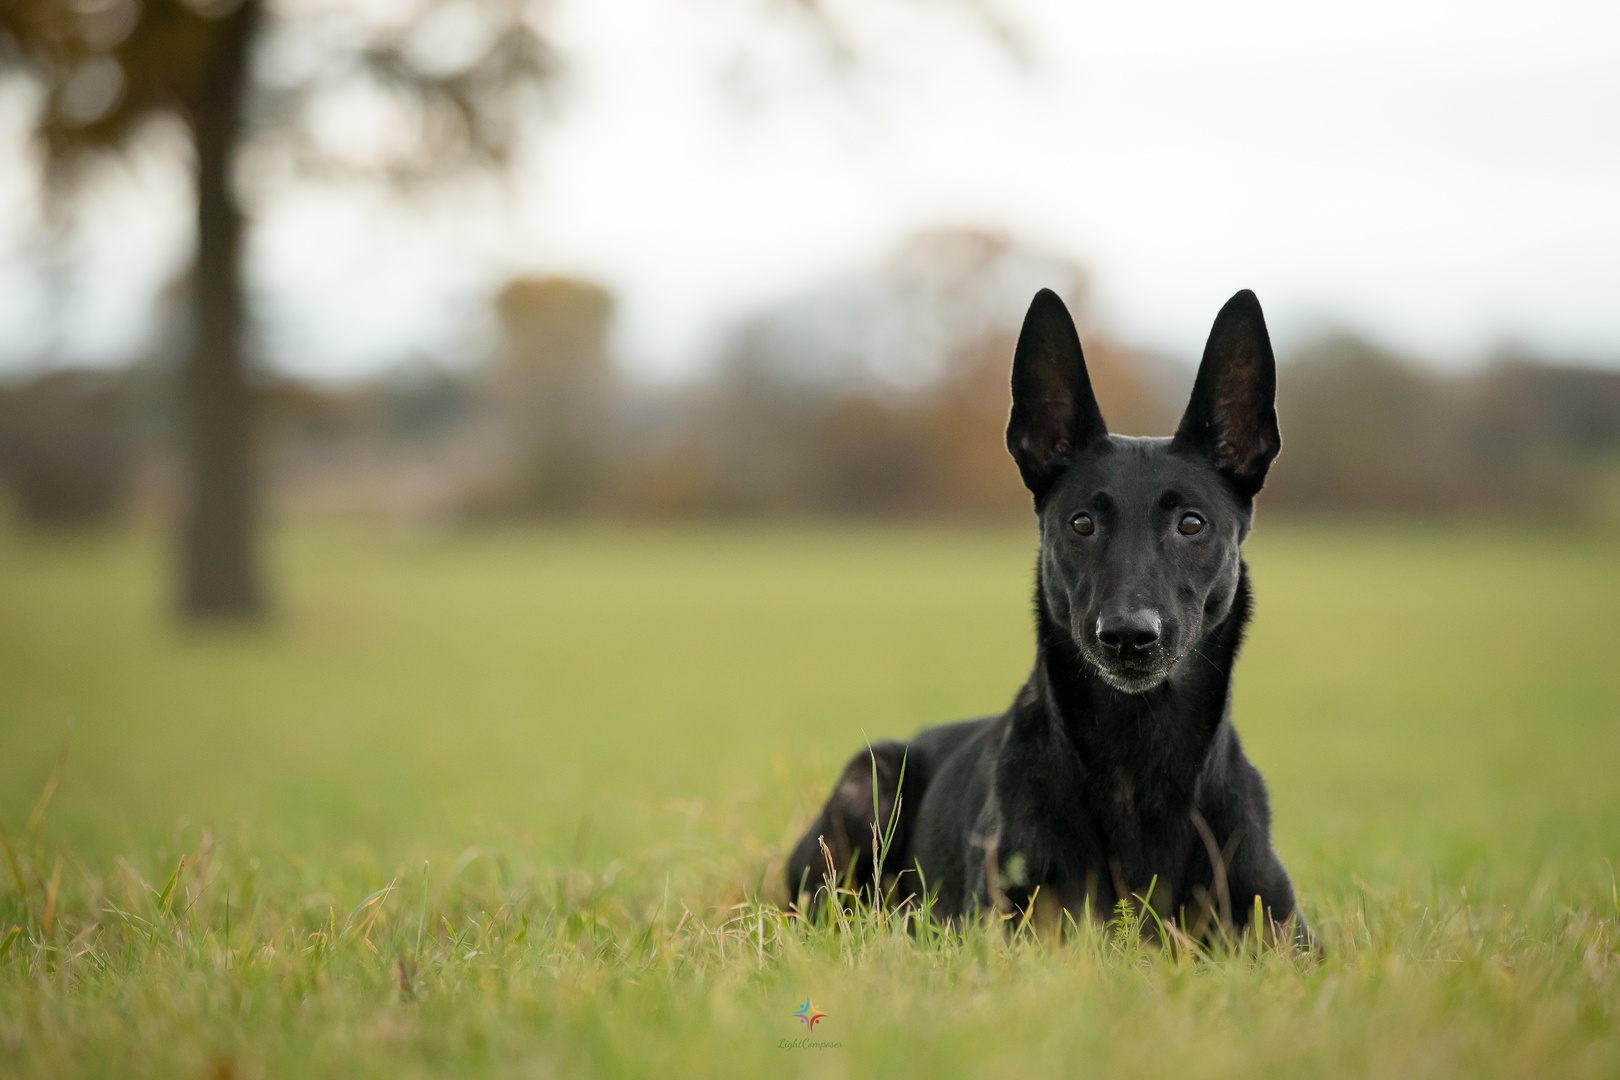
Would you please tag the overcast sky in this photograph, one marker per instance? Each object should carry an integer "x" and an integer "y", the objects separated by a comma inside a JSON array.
[{"x": 1440, "y": 176}]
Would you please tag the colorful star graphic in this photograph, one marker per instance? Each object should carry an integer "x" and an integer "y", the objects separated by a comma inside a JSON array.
[{"x": 809, "y": 1015}]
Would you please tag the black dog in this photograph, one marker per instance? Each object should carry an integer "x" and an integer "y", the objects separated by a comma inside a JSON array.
[{"x": 1117, "y": 770}]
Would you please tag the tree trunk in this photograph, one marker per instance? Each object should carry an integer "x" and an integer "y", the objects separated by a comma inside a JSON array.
[{"x": 219, "y": 557}]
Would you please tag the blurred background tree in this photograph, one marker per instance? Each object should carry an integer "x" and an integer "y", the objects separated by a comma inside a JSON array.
[
  {"x": 553, "y": 394},
  {"x": 882, "y": 393},
  {"x": 66, "y": 445},
  {"x": 107, "y": 69}
]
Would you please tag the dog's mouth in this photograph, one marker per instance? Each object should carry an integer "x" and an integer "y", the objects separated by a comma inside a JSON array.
[{"x": 1131, "y": 675}]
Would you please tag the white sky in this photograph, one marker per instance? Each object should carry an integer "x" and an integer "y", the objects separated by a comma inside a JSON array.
[{"x": 1440, "y": 176}]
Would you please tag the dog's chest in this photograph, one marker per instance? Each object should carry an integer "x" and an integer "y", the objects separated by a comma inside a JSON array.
[{"x": 1113, "y": 828}]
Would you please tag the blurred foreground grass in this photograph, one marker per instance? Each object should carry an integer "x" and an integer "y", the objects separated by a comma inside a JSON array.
[{"x": 576, "y": 755}]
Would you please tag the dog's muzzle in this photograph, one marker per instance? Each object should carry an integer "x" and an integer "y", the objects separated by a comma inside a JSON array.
[{"x": 1127, "y": 648}]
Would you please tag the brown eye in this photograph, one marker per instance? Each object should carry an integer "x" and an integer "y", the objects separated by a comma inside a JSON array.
[
  {"x": 1083, "y": 524},
  {"x": 1190, "y": 525}
]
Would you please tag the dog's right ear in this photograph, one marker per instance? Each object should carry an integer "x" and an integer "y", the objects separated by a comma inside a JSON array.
[{"x": 1054, "y": 412}]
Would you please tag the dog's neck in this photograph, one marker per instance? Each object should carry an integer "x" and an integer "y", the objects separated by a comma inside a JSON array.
[{"x": 1156, "y": 742}]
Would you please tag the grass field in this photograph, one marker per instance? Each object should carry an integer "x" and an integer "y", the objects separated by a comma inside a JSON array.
[{"x": 514, "y": 804}]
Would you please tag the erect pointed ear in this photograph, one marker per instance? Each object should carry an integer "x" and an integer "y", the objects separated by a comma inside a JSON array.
[
  {"x": 1054, "y": 412},
  {"x": 1232, "y": 418}
]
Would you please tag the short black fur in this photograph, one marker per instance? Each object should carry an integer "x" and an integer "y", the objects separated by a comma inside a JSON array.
[{"x": 1117, "y": 768}]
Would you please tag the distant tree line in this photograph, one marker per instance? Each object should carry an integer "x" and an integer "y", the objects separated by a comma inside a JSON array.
[
  {"x": 1367, "y": 429},
  {"x": 881, "y": 395}
]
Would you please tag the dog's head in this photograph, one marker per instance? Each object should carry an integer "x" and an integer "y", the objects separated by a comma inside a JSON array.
[{"x": 1140, "y": 537}]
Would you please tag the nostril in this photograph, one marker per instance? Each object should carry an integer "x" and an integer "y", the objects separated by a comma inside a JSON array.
[{"x": 1137, "y": 631}]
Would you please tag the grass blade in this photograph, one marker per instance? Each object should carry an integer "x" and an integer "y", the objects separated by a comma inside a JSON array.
[
  {"x": 168, "y": 889},
  {"x": 38, "y": 816},
  {"x": 16, "y": 868}
]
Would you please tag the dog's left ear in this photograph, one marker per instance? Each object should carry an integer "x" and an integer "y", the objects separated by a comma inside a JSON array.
[{"x": 1232, "y": 418}]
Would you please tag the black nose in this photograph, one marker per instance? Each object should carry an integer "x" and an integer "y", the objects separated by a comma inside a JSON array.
[{"x": 1128, "y": 631}]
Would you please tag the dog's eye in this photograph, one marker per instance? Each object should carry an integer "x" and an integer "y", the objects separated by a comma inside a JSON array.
[
  {"x": 1083, "y": 524},
  {"x": 1190, "y": 524}
]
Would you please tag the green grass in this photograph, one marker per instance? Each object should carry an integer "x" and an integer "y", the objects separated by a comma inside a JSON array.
[{"x": 578, "y": 755}]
